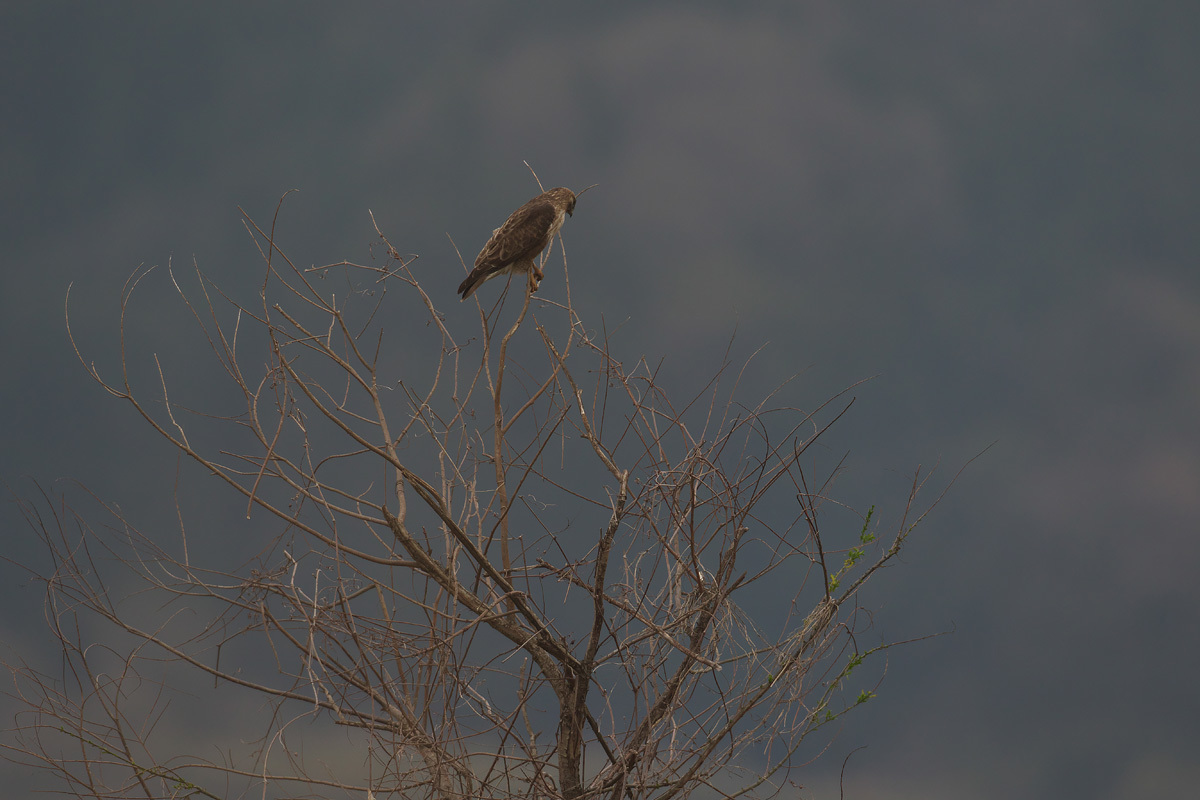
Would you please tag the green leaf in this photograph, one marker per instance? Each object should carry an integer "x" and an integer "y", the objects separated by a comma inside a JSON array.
[{"x": 865, "y": 536}]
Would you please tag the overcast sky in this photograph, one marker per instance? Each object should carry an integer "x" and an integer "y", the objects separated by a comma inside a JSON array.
[{"x": 990, "y": 206}]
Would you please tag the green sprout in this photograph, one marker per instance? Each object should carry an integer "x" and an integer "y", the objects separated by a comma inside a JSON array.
[
  {"x": 866, "y": 537},
  {"x": 853, "y": 557}
]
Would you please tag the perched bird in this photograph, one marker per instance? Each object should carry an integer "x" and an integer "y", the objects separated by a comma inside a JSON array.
[{"x": 517, "y": 243}]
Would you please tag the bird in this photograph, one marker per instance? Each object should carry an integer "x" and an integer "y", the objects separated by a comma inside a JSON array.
[{"x": 516, "y": 244}]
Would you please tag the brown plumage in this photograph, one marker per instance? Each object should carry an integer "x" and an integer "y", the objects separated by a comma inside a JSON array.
[{"x": 517, "y": 243}]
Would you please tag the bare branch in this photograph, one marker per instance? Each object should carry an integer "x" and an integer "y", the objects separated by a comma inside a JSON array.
[{"x": 516, "y": 566}]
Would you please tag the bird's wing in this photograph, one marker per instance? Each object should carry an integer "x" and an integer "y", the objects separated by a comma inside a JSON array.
[{"x": 522, "y": 236}]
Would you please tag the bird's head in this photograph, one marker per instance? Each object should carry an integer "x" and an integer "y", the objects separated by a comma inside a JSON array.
[{"x": 564, "y": 197}]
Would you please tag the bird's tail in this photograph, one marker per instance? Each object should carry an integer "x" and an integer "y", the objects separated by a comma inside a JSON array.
[{"x": 468, "y": 286}]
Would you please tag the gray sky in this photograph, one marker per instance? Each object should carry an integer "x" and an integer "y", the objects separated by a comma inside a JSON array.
[{"x": 991, "y": 206}]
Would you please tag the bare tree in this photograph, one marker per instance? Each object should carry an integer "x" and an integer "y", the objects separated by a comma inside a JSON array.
[{"x": 481, "y": 575}]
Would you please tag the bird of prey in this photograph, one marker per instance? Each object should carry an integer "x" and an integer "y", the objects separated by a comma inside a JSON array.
[{"x": 516, "y": 244}]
